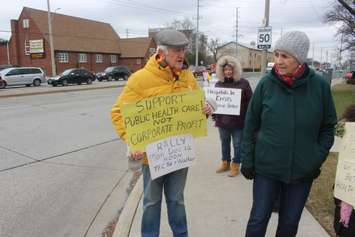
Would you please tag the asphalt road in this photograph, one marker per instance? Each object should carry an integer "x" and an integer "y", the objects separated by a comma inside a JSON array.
[{"x": 63, "y": 171}]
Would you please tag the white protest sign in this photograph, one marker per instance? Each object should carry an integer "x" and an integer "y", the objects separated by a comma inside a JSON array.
[
  {"x": 228, "y": 99},
  {"x": 344, "y": 187},
  {"x": 170, "y": 154}
]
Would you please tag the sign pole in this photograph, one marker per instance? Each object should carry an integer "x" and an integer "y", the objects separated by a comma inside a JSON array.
[{"x": 266, "y": 24}]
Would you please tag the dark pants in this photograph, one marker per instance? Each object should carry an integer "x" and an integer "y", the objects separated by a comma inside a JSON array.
[{"x": 292, "y": 200}]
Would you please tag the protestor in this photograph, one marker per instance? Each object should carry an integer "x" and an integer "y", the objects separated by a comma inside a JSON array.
[
  {"x": 344, "y": 214},
  {"x": 230, "y": 127},
  {"x": 289, "y": 129},
  {"x": 165, "y": 73}
]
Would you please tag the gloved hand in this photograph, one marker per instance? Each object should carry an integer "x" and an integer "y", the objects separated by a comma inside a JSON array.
[{"x": 248, "y": 173}]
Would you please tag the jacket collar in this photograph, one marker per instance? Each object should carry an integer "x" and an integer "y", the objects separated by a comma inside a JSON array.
[{"x": 162, "y": 70}]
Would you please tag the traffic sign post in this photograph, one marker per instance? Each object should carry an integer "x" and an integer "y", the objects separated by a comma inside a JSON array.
[{"x": 264, "y": 37}]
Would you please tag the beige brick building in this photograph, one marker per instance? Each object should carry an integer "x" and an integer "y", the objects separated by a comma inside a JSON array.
[{"x": 249, "y": 56}]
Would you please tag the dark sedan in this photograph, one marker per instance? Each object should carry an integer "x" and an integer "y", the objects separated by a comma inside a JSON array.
[
  {"x": 114, "y": 73},
  {"x": 72, "y": 76}
]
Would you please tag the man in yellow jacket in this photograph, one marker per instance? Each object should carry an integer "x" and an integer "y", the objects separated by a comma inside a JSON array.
[{"x": 165, "y": 72}]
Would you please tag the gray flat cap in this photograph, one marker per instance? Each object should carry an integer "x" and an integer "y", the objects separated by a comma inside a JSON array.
[{"x": 171, "y": 38}]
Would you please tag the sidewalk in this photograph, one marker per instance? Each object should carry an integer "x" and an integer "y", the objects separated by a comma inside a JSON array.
[{"x": 216, "y": 205}]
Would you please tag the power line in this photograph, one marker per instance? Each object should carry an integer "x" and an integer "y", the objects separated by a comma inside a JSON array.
[
  {"x": 70, "y": 36},
  {"x": 140, "y": 6}
]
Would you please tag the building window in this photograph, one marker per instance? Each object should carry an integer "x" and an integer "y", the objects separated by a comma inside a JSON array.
[
  {"x": 113, "y": 58},
  {"x": 26, "y": 23},
  {"x": 27, "y": 47},
  {"x": 99, "y": 58},
  {"x": 139, "y": 61},
  {"x": 83, "y": 58},
  {"x": 63, "y": 57}
]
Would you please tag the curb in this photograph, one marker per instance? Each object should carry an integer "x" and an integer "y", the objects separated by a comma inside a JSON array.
[
  {"x": 123, "y": 226},
  {"x": 59, "y": 91}
]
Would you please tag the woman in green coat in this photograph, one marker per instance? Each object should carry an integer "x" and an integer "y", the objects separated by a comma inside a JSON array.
[{"x": 289, "y": 129}]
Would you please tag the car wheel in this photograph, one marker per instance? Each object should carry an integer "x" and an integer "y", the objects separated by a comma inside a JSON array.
[
  {"x": 79, "y": 83},
  {"x": 2, "y": 84},
  {"x": 89, "y": 81},
  {"x": 65, "y": 83},
  {"x": 37, "y": 82},
  {"x": 99, "y": 79},
  {"x": 54, "y": 84}
]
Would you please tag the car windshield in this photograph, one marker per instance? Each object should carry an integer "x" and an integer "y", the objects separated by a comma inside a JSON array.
[
  {"x": 66, "y": 72},
  {"x": 109, "y": 69}
]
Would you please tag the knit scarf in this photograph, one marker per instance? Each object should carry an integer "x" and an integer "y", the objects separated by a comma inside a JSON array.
[{"x": 289, "y": 80}]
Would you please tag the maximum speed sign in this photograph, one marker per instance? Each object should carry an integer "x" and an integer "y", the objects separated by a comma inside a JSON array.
[{"x": 264, "y": 37}]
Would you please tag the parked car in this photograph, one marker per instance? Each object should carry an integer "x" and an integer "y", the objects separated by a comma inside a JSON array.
[
  {"x": 4, "y": 66},
  {"x": 72, "y": 76},
  {"x": 198, "y": 71},
  {"x": 269, "y": 67},
  {"x": 21, "y": 76},
  {"x": 114, "y": 73},
  {"x": 350, "y": 77}
]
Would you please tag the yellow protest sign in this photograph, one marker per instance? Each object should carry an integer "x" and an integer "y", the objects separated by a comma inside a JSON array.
[
  {"x": 159, "y": 117},
  {"x": 344, "y": 187}
]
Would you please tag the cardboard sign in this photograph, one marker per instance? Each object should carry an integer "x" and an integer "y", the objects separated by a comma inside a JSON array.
[
  {"x": 228, "y": 100},
  {"x": 170, "y": 154},
  {"x": 344, "y": 188},
  {"x": 155, "y": 118}
]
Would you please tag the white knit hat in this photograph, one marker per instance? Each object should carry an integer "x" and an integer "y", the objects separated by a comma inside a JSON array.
[{"x": 295, "y": 43}]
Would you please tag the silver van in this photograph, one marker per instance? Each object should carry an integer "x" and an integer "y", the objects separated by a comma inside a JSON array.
[{"x": 21, "y": 76}]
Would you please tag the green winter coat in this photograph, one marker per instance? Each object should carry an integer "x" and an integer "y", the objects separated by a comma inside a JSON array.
[{"x": 289, "y": 130}]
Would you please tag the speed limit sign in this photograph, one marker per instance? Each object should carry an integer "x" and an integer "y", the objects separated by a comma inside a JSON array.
[{"x": 264, "y": 37}]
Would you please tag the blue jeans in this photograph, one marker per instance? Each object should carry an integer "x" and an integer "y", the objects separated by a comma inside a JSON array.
[
  {"x": 292, "y": 200},
  {"x": 226, "y": 135},
  {"x": 173, "y": 184}
]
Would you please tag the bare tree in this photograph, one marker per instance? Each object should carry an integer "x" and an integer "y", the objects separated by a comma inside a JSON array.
[
  {"x": 188, "y": 28},
  {"x": 212, "y": 46},
  {"x": 344, "y": 14}
]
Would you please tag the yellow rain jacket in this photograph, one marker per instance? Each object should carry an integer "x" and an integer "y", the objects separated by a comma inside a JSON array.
[{"x": 152, "y": 80}]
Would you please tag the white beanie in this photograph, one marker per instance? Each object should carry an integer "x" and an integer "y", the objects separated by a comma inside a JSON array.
[{"x": 295, "y": 43}]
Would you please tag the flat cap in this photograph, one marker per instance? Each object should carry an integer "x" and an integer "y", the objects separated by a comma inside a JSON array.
[{"x": 171, "y": 38}]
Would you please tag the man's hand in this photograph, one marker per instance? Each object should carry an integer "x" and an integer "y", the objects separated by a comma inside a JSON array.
[
  {"x": 248, "y": 173},
  {"x": 207, "y": 110},
  {"x": 137, "y": 155}
]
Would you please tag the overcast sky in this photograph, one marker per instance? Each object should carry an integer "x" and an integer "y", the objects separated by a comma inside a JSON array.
[{"x": 218, "y": 18}]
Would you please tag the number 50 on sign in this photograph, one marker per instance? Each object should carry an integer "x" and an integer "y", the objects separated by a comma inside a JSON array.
[{"x": 264, "y": 38}]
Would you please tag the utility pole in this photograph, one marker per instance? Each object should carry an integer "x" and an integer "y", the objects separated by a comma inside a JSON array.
[
  {"x": 321, "y": 56},
  {"x": 127, "y": 32},
  {"x": 341, "y": 48},
  {"x": 197, "y": 33},
  {"x": 236, "y": 33},
  {"x": 8, "y": 52},
  {"x": 313, "y": 56},
  {"x": 266, "y": 24},
  {"x": 282, "y": 30},
  {"x": 326, "y": 56},
  {"x": 51, "y": 39}
]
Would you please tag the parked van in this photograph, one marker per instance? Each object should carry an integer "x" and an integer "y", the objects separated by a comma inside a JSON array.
[{"x": 21, "y": 76}]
